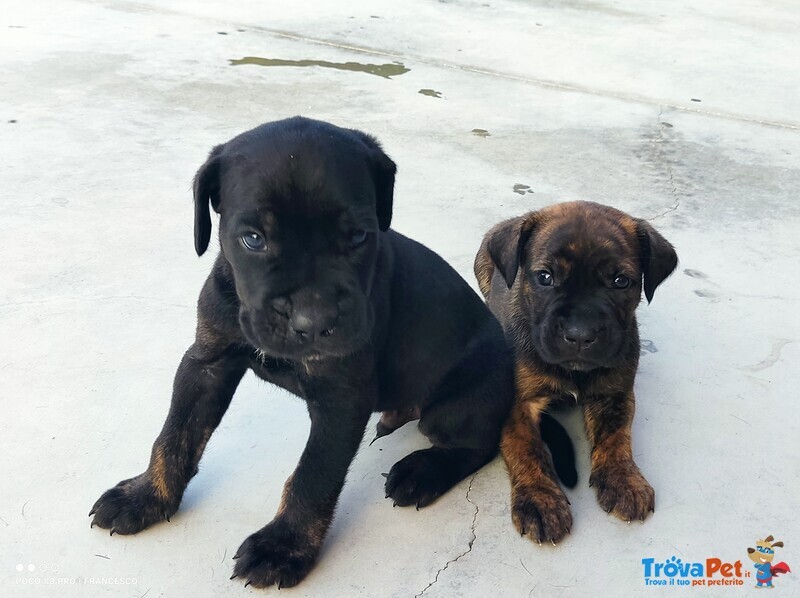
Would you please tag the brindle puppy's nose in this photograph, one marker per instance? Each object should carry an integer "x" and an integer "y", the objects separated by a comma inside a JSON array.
[
  {"x": 580, "y": 336},
  {"x": 310, "y": 322}
]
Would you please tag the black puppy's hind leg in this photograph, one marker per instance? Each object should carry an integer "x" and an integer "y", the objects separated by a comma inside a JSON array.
[
  {"x": 463, "y": 420},
  {"x": 394, "y": 420},
  {"x": 204, "y": 385}
]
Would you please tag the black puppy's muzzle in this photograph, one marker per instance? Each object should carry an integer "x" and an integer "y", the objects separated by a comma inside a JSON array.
[
  {"x": 307, "y": 324},
  {"x": 311, "y": 321}
]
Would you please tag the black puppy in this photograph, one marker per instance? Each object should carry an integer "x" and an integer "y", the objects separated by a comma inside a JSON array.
[{"x": 313, "y": 293}]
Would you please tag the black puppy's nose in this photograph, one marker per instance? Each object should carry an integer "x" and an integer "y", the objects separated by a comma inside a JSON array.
[
  {"x": 311, "y": 322},
  {"x": 581, "y": 336}
]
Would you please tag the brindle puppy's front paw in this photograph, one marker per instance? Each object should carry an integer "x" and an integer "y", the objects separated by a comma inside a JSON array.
[
  {"x": 541, "y": 511},
  {"x": 622, "y": 489},
  {"x": 277, "y": 554},
  {"x": 130, "y": 506}
]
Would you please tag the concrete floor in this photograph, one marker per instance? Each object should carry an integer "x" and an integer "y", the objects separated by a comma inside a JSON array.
[{"x": 684, "y": 113}]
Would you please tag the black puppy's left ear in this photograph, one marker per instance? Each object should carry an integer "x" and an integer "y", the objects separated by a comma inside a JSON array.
[
  {"x": 383, "y": 170},
  {"x": 206, "y": 189},
  {"x": 658, "y": 258}
]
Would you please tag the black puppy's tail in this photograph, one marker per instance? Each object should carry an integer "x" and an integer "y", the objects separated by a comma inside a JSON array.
[{"x": 560, "y": 445}]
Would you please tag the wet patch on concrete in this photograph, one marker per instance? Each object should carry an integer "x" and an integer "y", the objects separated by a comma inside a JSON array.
[
  {"x": 431, "y": 93},
  {"x": 387, "y": 71},
  {"x": 706, "y": 294},
  {"x": 481, "y": 132},
  {"x": 521, "y": 189},
  {"x": 695, "y": 274},
  {"x": 773, "y": 357},
  {"x": 647, "y": 346},
  {"x": 594, "y": 7}
]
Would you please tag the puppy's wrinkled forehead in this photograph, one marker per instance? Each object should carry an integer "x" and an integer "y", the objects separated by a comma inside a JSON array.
[
  {"x": 586, "y": 234},
  {"x": 307, "y": 173}
]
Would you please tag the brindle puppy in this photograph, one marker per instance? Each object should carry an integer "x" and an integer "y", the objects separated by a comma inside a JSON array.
[{"x": 565, "y": 282}]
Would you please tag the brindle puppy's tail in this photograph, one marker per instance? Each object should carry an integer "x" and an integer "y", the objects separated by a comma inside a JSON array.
[{"x": 560, "y": 445}]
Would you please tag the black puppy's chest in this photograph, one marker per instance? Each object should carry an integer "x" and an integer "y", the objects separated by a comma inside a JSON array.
[
  {"x": 281, "y": 372},
  {"x": 313, "y": 377}
]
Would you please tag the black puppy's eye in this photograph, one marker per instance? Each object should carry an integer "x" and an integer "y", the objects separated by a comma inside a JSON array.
[
  {"x": 544, "y": 278},
  {"x": 253, "y": 241},
  {"x": 622, "y": 282},
  {"x": 358, "y": 237}
]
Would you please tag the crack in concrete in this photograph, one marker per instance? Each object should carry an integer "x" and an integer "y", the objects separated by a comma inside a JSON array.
[
  {"x": 670, "y": 173},
  {"x": 469, "y": 544}
]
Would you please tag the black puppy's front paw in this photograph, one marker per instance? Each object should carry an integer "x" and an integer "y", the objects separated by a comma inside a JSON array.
[
  {"x": 420, "y": 478},
  {"x": 277, "y": 554},
  {"x": 130, "y": 506}
]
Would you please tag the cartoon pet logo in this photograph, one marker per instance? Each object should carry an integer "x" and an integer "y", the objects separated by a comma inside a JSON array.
[{"x": 762, "y": 555}]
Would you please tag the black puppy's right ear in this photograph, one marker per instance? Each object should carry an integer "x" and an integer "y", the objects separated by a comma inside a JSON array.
[
  {"x": 506, "y": 244},
  {"x": 383, "y": 170},
  {"x": 206, "y": 189}
]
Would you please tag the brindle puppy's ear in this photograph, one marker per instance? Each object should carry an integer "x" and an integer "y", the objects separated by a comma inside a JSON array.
[
  {"x": 506, "y": 244},
  {"x": 206, "y": 188},
  {"x": 383, "y": 170},
  {"x": 658, "y": 258}
]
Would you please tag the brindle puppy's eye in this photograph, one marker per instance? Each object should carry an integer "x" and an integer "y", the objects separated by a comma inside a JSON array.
[
  {"x": 622, "y": 282},
  {"x": 253, "y": 241},
  {"x": 544, "y": 278},
  {"x": 358, "y": 237}
]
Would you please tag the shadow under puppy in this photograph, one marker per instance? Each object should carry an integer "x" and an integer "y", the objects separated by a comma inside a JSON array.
[
  {"x": 314, "y": 293},
  {"x": 565, "y": 282}
]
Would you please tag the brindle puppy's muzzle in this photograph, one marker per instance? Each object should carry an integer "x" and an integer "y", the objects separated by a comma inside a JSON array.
[{"x": 581, "y": 339}]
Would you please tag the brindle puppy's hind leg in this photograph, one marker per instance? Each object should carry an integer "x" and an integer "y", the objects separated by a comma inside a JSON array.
[{"x": 463, "y": 421}]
